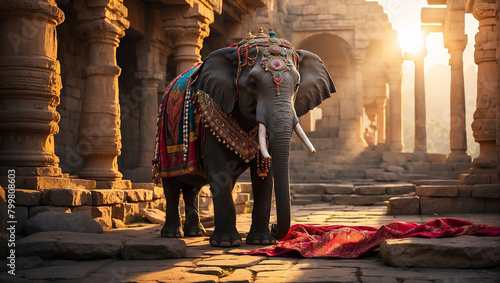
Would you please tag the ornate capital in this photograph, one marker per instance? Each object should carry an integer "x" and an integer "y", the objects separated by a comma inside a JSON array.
[
  {"x": 483, "y": 9},
  {"x": 106, "y": 19}
]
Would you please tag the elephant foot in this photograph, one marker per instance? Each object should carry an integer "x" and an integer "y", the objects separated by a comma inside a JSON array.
[
  {"x": 172, "y": 231},
  {"x": 194, "y": 230},
  {"x": 225, "y": 238},
  {"x": 262, "y": 237}
]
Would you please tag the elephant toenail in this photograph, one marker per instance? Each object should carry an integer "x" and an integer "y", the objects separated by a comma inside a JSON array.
[
  {"x": 265, "y": 242},
  {"x": 255, "y": 242},
  {"x": 224, "y": 244},
  {"x": 236, "y": 243},
  {"x": 213, "y": 243}
]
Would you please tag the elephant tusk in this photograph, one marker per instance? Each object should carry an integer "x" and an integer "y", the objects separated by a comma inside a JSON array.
[
  {"x": 262, "y": 141},
  {"x": 300, "y": 132}
]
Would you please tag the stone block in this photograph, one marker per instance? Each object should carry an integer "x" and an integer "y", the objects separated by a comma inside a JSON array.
[
  {"x": 160, "y": 204},
  {"x": 83, "y": 210},
  {"x": 462, "y": 167},
  {"x": 464, "y": 191},
  {"x": 370, "y": 190},
  {"x": 486, "y": 191},
  {"x": 386, "y": 177},
  {"x": 441, "y": 167},
  {"x": 308, "y": 188},
  {"x": 60, "y": 221},
  {"x": 158, "y": 192},
  {"x": 156, "y": 248},
  {"x": 444, "y": 205},
  {"x": 114, "y": 185},
  {"x": 66, "y": 197},
  {"x": 396, "y": 158},
  {"x": 456, "y": 252},
  {"x": 437, "y": 191},
  {"x": 301, "y": 201},
  {"x": 492, "y": 205},
  {"x": 312, "y": 197},
  {"x": 103, "y": 197},
  {"x": 139, "y": 195},
  {"x": 435, "y": 157},
  {"x": 28, "y": 197},
  {"x": 403, "y": 206},
  {"x": 418, "y": 166},
  {"x": 206, "y": 204},
  {"x": 339, "y": 189},
  {"x": 242, "y": 198},
  {"x": 46, "y": 183},
  {"x": 22, "y": 213},
  {"x": 154, "y": 216},
  {"x": 34, "y": 210},
  {"x": 356, "y": 199},
  {"x": 240, "y": 208},
  {"x": 126, "y": 212},
  {"x": 395, "y": 169},
  {"x": 68, "y": 245},
  {"x": 400, "y": 189},
  {"x": 117, "y": 223},
  {"x": 472, "y": 179},
  {"x": 370, "y": 173},
  {"x": 246, "y": 187}
]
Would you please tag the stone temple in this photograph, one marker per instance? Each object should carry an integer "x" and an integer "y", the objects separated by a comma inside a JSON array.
[{"x": 80, "y": 83}]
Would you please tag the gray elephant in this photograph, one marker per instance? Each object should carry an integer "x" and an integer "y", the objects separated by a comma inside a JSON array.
[{"x": 238, "y": 111}]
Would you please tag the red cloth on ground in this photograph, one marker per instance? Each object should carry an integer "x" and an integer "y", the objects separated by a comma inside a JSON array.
[{"x": 338, "y": 241}]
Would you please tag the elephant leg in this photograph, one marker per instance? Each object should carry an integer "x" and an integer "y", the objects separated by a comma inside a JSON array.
[
  {"x": 173, "y": 225},
  {"x": 259, "y": 233},
  {"x": 222, "y": 177},
  {"x": 192, "y": 226}
]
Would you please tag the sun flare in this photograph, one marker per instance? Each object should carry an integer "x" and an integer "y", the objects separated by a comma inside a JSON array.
[{"x": 410, "y": 39}]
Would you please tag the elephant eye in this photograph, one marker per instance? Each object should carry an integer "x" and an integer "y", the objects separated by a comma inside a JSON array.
[
  {"x": 297, "y": 87},
  {"x": 253, "y": 84}
]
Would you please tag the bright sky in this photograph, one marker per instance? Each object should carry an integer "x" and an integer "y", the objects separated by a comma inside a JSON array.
[{"x": 404, "y": 16}]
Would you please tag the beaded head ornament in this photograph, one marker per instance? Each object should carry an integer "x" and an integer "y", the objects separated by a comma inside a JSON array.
[{"x": 274, "y": 56}]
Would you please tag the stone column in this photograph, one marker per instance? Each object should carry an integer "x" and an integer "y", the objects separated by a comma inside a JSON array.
[
  {"x": 380, "y": 102},
  {"x": 485, "y": 121},
  {"x": 187, "y": 27},
  {"x": 149, "y": 111},
  {"x": 420, "y": 115},
  {"x": 395, "y": 105},
  {"x": 458, "y": 135},
  {"x": 30, "y": 85},
  {"x": 103, "y": 23},
  {"x": 358, "y": 99}
]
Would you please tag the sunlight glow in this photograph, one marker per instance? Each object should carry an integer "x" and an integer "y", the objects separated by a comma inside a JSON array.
[{"x": 411, "y": 39}]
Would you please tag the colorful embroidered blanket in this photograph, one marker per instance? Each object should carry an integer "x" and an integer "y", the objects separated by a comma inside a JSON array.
[
  {"x": 177, "y": 131},
  {"x": 339, "y": 241}
]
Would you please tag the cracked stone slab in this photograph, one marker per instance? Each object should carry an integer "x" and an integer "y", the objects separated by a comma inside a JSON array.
[
  {"x": 231, "y": 261},
  {"x": 457, "y": 252},
  {"x": 68, "y": 245},
  {"x": 154, "y": 248}
]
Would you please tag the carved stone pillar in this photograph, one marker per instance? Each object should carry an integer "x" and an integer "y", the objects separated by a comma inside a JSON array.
[
  {"x": 99, "y": 135},
  {"x": 458, "y": 135},
  {"x": 485, "y": 121},
  {"x": 395, "y": 105},
  {"x": 29, "y": 87},
  {"x": 420, "y": 115},
  {"x": 358, "y": 99},
  {"x": 380, "y": 102},
  {"x": 187, "y": 27},
  {"x": 149, "y": 111}
]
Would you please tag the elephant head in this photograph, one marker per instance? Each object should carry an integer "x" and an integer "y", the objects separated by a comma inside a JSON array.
[{"x": 265, "y": 81}]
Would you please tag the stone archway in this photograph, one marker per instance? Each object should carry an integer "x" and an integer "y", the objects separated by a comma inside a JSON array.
[{"x": 336, "y": 53}]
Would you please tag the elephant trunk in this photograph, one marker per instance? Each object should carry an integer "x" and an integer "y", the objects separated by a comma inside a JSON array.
[{"x": 280, "y": 133}]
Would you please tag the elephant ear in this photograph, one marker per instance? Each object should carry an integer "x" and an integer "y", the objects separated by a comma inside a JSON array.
[
  {"x": 216, "y": 76},
  {"x": 316, "y": 85}
]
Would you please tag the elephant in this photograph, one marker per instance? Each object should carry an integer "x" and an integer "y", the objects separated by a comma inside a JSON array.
[{"x": 263, "y": 85}]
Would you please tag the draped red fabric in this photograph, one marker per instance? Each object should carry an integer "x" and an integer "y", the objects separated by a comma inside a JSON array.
[{"x": 338, "y": 241}]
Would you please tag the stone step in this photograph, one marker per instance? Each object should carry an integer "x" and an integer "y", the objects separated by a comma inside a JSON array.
[{"x": 457, "y": 252}]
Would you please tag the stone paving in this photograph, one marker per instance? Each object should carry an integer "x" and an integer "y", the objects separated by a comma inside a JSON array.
[{"x": 203, "y": 263}]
